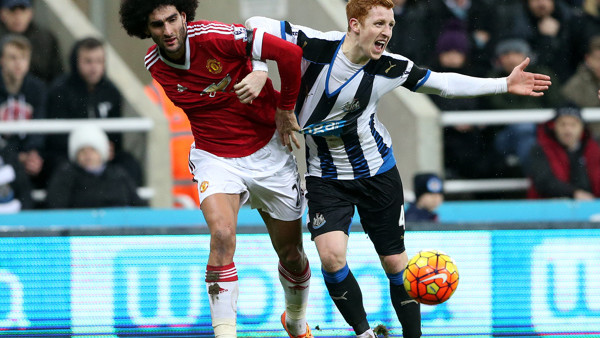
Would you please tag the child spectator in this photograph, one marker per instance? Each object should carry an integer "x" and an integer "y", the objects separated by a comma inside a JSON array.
[
  {"x": 88, "y": 180},
  {"x": 429, "y": 195}
]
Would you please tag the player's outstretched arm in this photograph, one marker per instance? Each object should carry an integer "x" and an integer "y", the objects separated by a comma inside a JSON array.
[{"x": 525, "y": 83}]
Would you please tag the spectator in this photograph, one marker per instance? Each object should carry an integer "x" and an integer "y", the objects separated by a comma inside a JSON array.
[
  {"x": 185, "y": 190},
  {"x": 582, "y": 87},
  {"x": 16, "y": 17},
  {"x": 88, "y": 180},
  {"x": 15, "y": 188},
  {"x": 85, "y": 93},
  {"x": 513, "y": 142},
  {"x": 467, "y": 148},
  {"x": 544, "y": 24},
  {"x": 408, "y": 37},
  {"x": 478, "y": 18},
  {"x": 429, "y": 195},
  {"x": 565, "y": 162},
  {"x": 584, "y": 25},
  {"x": 22, "y": 97}
]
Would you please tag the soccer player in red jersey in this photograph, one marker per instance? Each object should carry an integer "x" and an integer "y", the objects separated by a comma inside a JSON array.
[{"x": 206, "y": 69}]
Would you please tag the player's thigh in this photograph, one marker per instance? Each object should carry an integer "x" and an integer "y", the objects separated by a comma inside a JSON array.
[
  {"x": 275, "y": 185},
  {"x": 382, "y": 213},
  {"x": 330, "y": 207},
  {"x": 216, "y": 175}
]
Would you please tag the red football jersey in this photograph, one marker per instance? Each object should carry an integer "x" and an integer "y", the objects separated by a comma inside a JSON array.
[{"x": 217, "y": 57}]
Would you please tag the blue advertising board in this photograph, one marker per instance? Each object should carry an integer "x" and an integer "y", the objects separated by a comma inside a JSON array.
[{"x": 512, "y": 283}]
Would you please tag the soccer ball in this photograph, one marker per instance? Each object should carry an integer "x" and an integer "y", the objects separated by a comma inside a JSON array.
[{"x": 430, "y": 277}]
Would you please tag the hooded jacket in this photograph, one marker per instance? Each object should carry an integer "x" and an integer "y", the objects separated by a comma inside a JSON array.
[
  {"x": 69, "y": 98},
  {"x": 555, "y": 172}
]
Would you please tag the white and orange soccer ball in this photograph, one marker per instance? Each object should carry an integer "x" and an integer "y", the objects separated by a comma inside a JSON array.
[{"x": 430, "y": 277}]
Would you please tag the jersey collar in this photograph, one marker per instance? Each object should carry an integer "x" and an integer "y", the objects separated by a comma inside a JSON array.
[{"x": 186, "y": 65}]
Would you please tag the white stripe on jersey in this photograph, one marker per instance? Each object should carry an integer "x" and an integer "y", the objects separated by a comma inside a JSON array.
[
  {"x": 257, "y": 44},
  {"x": 151, "y": 58}
]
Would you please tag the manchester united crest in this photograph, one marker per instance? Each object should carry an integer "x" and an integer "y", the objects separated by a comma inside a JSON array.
[
  {"x": 214, "y": 66},
  {"x": 203, "y": 186}
]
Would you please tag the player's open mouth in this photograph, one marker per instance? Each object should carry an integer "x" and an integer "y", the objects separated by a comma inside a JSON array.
[{"x": 380, "y": 45}]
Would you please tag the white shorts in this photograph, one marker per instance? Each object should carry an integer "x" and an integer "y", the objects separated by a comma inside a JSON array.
[{"x": 268, "y": 178}]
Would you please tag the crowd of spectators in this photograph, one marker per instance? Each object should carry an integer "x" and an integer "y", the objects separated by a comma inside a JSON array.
[
  {"x": 488, "y": 38},
  {"x": 484, "y": 38},
  {"x": 34, "y": 85}
]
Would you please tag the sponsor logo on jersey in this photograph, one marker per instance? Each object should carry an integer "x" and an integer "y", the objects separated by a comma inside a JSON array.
[
  {"x": 327, "y": 128},
  {"x": 181, "y": 88},
  {"x": 318, "y": 221},
  {"x": 214, "y": 66},
  {"x": 203, "y": 186},
  {"x": 218, "y": 87}
]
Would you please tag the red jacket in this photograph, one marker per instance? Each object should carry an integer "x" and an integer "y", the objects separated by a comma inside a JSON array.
[{"x": 559, "y": 160}]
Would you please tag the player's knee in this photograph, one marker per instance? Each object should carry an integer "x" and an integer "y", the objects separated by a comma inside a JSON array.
[
  {"x": 291, "y": 254},
  {"x": 333, "y": 263},
  {"x": 222, "y": 241}
]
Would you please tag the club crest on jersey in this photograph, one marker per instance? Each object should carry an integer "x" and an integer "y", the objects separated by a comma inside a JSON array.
[
  {"x": 203, "y": 186},
  {"x": 318, "y": 221},
  {"x": 181, "y": 88},
  {"x": 217, "y": 87},
  {"x": 214, "y": 66},
  {"x": 350, "y": 107}
]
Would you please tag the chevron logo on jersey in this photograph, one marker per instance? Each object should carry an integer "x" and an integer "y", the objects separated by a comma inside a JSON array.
[{"x": 327, "y": 128}]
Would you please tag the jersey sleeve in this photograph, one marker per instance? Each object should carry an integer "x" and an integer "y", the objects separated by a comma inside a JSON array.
[
  {"x": 288, "y": 57},
  {"x": 451, "y": 85},
  {"x": 232, "y": 40}
]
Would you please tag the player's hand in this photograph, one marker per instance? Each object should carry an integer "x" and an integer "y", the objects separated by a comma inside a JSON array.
[
  {"x": 250, "y": 86},
  {"x": 524, "y": 83},
  {"x": 287, "y": 124}
]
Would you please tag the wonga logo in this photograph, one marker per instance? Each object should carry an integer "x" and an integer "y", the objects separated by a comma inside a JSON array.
[
  {"x": 160, "y": 287},
  {"x": 565, "y": 285}
]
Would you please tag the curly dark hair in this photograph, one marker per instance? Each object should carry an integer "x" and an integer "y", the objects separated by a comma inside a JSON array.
[{"x": 134, "y": 13}]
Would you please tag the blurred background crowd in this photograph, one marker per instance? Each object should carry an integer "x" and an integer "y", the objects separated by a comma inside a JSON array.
[{"x": 484, "y": 38}]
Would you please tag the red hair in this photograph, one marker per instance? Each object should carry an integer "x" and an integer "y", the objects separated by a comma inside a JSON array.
[{"x": 359, "y": 9}]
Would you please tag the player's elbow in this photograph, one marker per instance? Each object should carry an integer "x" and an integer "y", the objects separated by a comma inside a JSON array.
[{"x": 253, "y": 22}]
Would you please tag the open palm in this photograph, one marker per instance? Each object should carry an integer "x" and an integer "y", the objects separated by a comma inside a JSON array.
[{"x": 525, "y": 83}]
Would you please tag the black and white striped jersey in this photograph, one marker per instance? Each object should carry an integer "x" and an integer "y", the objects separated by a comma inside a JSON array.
[{"x": 337, "y": 104}]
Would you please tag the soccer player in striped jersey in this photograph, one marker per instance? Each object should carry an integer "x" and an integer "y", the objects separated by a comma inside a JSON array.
[
  {"x": 203, "y": 67},
  {"x": 350, "y": 161}
]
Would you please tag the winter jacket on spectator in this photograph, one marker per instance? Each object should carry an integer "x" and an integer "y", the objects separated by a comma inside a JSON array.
[
  {"x": 28, "y": 103},
  {"x": 556, "y": 172}
]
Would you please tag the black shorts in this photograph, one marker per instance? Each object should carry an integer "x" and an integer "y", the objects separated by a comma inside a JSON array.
[{"x": 379, "y": 201}]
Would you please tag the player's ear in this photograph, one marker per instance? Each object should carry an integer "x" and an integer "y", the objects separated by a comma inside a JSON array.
[
  {"x": 183, "y": 16},
  {"x": 354, "y": 25}
]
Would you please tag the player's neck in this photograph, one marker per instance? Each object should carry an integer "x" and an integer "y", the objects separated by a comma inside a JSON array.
[
  {"x": 177, "y": 58},
  {"x": 352, "y": 50}
]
